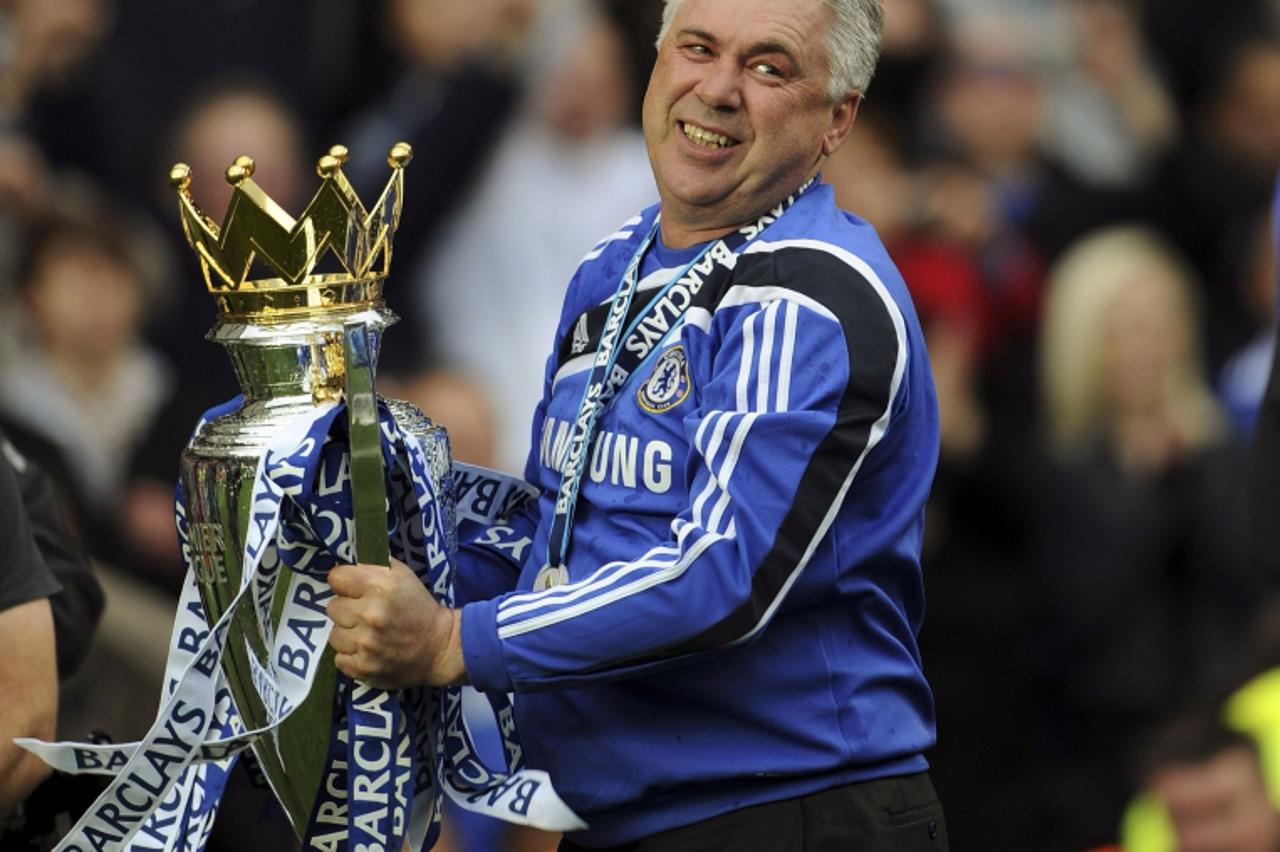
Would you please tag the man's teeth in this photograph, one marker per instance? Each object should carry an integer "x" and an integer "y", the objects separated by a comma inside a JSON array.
[{"x": 706, "y": 138}]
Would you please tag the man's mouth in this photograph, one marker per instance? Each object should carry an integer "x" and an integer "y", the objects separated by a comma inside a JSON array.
[{"x": 706, "y": 138}]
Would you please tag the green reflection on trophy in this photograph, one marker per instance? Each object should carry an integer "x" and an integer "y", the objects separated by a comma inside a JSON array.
[{"x": 297, "y": 337}]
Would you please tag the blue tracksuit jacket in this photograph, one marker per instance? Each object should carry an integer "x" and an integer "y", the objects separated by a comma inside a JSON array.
[{"x": 745, "y": 589}]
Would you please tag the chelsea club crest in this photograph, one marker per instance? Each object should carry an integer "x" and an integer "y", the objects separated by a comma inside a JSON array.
[{"x": 668, "y": 384}]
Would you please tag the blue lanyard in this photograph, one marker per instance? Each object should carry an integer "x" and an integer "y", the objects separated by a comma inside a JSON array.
[{"x": 607, "y": 376}]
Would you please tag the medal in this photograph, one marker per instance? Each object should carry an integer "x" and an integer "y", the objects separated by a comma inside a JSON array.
[{"x": 549, "y": 577}]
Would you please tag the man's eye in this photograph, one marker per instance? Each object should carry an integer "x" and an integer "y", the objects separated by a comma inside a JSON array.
[
  {"x": 767, "y": 68},
  {"x": 699, "y": 49}
]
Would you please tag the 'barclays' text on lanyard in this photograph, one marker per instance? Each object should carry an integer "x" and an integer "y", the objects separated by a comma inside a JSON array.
[{"x": 614, "y": 364}]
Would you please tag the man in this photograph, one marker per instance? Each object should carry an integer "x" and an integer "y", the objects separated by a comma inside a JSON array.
[
  {"x": 42, "y": 484},
  {"x": 1220, "y": 803},
  {"x": 50, "y": 604},
  {"x": 712, "y": 629},
  {"x": 1209, "y": 780},
  {"x": 29, "y": 674}
]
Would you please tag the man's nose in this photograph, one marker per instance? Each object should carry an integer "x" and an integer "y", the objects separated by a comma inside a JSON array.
[{"x": 721, "y": 86}]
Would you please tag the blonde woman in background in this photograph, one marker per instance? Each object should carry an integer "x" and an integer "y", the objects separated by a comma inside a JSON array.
[
  {"x": 1121, "y": 365},
  {"x": 1138, "y": 558}
]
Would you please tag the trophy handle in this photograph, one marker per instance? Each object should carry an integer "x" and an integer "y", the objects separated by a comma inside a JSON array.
[{"x": 368, "y": 488}]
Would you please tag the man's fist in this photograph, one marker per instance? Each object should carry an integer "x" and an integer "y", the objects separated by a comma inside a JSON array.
[{"x": 388, "y": 630}]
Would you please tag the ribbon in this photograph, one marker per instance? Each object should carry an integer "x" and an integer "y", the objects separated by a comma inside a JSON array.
[{"x": 391, "y": 756}]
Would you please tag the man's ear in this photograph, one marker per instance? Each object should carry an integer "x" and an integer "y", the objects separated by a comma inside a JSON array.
[{"x": 842, "y": 116}]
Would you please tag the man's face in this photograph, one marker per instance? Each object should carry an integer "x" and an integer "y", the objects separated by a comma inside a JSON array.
[
  {"x": 1220, "y": 805},
  {"x": 737, "y": 115}
]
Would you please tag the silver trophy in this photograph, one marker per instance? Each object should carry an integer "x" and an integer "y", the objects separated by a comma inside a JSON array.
[{"x": 297, "y": 339}]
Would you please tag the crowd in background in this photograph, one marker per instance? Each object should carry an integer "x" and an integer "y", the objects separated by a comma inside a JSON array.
[{"x": 1076, "y": 192}]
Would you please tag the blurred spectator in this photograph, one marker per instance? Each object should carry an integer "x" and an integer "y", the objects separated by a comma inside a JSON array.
[
  {"x": 451, "y": 91},
  {"x": 1110, "y": 115},
  {"x": 1217, "y": 756},
  {"x": 155, "y": 54},
  {"x": 1206, "y": 194},
  {"x": 76, "y": 609},
  {"x": 1144, "y": 591},
  {"x": 983, "y": 186},
  {"x": 243, "y": 115},
  {"x": 81, "y": 376},
  {"x": 943, "y": 228},
  {"x": 910, "y": 52},
  {"x": 1205, "y": 792},
  {"x": 25, "y": 192},
  {"x": 230, "y": 117},
  {"x": 1208, "y": 780},
  {"x": 28, "y": 677},
  {"x": 1121, "y": 356},
  {"x": 48, "y": 44},
  {"x": 636, "y": 23},
  {"x": 1188, "y": 45},
  {"x": 999, "y": 106},
  {"x": 50, "y": 78},
  {"x": 1263, "y": 478},
  {"x": 78, "y": 606},
  {"x": 1244, "y": 377},
  {"x": 957, "y": 249},
  {"x": 1242, "y": 120},
  {"x": 871, "y": 180},
  {"x": 991, "y": 99},
  {"x": 568, "y": 170}
]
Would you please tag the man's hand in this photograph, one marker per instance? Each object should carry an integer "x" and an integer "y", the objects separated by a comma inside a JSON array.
[
  {"x": 29, "y": 686},
  {"x": 389, "y": 631}
]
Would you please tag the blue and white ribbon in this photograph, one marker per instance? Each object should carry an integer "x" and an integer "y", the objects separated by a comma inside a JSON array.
[{"x": 391, "y": 755}]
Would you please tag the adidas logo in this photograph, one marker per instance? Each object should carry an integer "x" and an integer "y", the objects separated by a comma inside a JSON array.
[{"x": 580, "y": 336}]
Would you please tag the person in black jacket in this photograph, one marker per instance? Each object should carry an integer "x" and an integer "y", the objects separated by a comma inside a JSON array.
[
  {"x": 28, "y": 678},
  {"x": 50, "y": 604},
  {"x": 77, "y": 607}
]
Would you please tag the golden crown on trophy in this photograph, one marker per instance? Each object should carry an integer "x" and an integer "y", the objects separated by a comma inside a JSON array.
[{"x": 257, "y": 233}]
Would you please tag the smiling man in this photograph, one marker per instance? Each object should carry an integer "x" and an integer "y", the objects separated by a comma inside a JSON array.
[
  {"x": 709, "y": 615},
  {"x": 742, "y": 108}
]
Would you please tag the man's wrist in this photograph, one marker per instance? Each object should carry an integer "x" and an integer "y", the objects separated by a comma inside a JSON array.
[
  {"x": 482, "y": 651},
  {"x": 453, "y": 665}
]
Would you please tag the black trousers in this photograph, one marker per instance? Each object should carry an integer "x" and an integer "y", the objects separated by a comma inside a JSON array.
[{"x": 887, "y": 815}]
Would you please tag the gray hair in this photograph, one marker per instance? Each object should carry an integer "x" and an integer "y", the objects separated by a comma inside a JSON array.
[{"x": 853, "y": 44}]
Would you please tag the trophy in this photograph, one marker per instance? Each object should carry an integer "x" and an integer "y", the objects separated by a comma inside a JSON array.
[
  {"x": 306, "y": 469},
  {"x": 298, "y": 338}
]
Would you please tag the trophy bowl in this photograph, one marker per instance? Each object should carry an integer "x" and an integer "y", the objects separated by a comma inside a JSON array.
[
  {"x": 284, "y": 334},
  {"x": 284, "y": 369}
]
